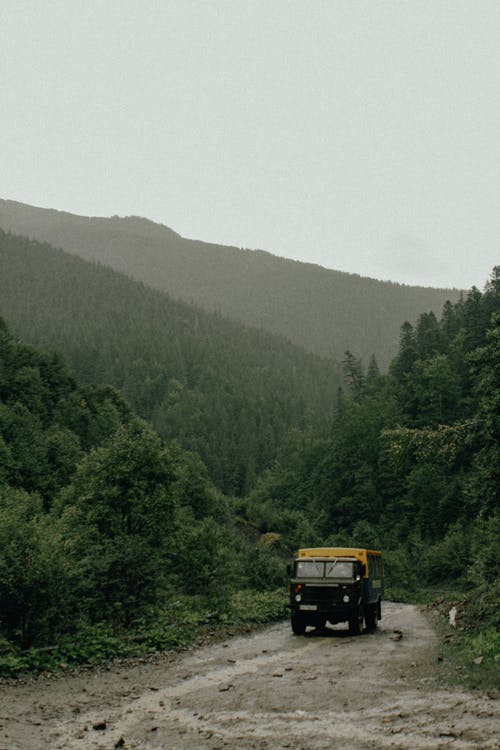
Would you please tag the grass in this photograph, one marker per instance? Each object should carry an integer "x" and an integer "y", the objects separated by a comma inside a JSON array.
[{"x": 473, "y": 659}]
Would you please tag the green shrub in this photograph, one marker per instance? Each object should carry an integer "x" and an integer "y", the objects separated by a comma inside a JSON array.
[
  {"x": 485, "y": 644},
  {"x": 400, "y": 577},
  {"x": 258, "y": 606},
  {"x": 175, "y": 626},
  {"x": 447, "y": 559}
]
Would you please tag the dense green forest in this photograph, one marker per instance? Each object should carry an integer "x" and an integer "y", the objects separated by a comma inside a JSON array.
[
  {"x": 412, "y": 464},
  {"x": 104, "y": 528},
  {"x": 111, "y": 532},
  {"x": 321, "y": 310},
  {"x": 227, "y": 392}
]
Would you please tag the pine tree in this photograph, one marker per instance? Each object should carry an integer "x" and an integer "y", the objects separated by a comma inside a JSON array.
[
  {"x": 373, "y": 372},
  {"x": 353, "y": 373}
]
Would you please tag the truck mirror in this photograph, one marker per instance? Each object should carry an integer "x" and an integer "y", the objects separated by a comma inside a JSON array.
[{"x": 289, "y": 570}]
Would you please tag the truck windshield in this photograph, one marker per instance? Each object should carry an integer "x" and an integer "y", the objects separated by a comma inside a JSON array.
[
  {"x": 339, "y": 569},
  {"x": 321, "y": 569},
  {"x": 310, "y": 569}
]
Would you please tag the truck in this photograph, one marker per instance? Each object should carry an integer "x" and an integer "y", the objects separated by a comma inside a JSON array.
[{"x": 336, "y": 584}]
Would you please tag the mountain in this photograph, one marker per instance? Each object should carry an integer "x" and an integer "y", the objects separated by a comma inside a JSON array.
[
  {"x": 322, "y": 310},
  {"x": 228, "y": 392}
]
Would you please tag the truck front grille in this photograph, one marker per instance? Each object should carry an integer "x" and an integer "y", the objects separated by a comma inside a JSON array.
[{"x": 323, "y": 596}]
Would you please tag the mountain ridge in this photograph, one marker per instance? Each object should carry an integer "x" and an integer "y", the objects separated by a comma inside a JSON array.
[
  {"x": 320, "y": 309},
  {"x": 138, "y": 220}
]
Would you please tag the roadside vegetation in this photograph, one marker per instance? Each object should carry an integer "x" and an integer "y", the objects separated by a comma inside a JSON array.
[
  {"x": 184, "y": 623},
  {"x": 111, "y": 540}
]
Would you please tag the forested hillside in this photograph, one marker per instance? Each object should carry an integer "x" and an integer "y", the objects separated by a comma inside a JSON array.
[
  {"x": 322, "y": 310},
  {"x": 225, "y": 391},
  {"x": 413, "y": 461},
  {"x": 104, "y": 528}
]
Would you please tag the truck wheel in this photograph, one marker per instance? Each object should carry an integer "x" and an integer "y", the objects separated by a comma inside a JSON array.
[
  {"x": 298, "y": 625},
  {"x": 372, "y": 617},
  {"x": 356, "y": 622}
]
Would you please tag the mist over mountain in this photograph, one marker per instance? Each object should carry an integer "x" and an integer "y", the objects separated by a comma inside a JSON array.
[{"x": 322, "y": 310}]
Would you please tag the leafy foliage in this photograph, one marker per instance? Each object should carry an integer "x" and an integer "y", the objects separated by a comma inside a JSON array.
[{"x": 105, "y": 529}]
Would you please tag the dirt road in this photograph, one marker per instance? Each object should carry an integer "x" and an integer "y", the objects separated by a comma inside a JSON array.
[{"x": 269, "y": 689}]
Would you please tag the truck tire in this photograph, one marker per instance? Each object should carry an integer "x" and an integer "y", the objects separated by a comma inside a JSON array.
[
  {"x": 372, "y": 616},
  {"x": 356, "y": 622},
  {"x": 298, "y": 625}
]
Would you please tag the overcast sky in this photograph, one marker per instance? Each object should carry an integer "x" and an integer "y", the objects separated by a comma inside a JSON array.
[{"x": 360, "y": 135}]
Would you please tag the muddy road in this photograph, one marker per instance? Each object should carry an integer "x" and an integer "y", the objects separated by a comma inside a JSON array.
[{"x": 269, "y": 689}]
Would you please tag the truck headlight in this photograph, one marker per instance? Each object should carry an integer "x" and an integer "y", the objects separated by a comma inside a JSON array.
[
  {"x": 346, "y": 598},
  {"x": 298, "y": 598}
]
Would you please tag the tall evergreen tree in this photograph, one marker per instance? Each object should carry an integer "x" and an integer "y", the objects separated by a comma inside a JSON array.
[{"x": 353, "y": 373}]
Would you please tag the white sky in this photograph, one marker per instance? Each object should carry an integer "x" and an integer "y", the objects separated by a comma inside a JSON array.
[{"x": 362, "y": 135}]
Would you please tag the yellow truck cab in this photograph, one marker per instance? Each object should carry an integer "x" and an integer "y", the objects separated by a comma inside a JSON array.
[{"x": 336, "y": 584}]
